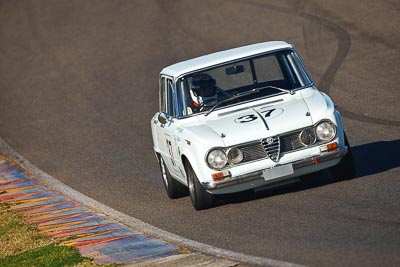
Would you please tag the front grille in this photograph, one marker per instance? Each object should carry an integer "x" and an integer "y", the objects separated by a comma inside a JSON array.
[
  {"x": 272, "y": 147},
  {"x": 283, "y": 144},
  {"x": 291, "y": 142},
  {"x": 253, "y": 152}
]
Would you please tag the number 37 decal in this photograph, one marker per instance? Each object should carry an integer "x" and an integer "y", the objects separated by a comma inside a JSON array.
[
  {"x": 271, "y": 113},
  {"x": 246, "y": 118}
]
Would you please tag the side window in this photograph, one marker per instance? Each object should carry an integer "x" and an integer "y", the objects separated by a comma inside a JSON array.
[
  {"x": 162, "y": 96},
  {"x": 170, "y": 98}
]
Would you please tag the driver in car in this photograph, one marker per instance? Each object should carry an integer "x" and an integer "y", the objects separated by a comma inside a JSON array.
[{"x": 203, "y": 92}]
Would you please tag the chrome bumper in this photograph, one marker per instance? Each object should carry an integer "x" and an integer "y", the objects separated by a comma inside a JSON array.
[{"x": 259, "y": 174}]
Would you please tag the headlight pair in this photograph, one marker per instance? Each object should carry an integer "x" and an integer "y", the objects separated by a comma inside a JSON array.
[
  {"x": 219, "y": 157},
  {"x": 322, "y": 132}
]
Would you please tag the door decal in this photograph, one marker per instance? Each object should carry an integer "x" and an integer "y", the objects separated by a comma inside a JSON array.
[{"x": 169, "y": 144}]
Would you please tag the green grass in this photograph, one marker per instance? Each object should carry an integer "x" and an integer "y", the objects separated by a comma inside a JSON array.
[
  {"x": 17, "y": 237},
  {"x": 22, "y": 244},
  {"x": 48, "y": 256}
]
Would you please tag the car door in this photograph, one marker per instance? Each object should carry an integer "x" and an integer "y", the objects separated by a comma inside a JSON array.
[{"x": 166, "y": 133}]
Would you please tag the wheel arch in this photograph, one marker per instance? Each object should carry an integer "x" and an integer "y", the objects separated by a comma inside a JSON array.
[{"x": 190, "y": 159}]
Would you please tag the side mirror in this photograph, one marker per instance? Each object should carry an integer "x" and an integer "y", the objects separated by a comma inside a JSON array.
[{"x": 163, "y": 118}]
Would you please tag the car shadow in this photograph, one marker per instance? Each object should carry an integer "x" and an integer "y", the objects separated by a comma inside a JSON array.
[
  {"x": 377, "y": 157},
  {"x": 372, "y": 158}
]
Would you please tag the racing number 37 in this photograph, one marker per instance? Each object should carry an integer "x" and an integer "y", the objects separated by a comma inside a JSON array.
[{"x": 252, "y": 117}]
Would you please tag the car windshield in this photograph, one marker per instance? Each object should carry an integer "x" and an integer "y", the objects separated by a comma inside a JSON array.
[{"x": 241, "y": 81}]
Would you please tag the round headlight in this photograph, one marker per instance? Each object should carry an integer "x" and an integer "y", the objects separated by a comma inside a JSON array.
[
  {"x": 325, "y": 131},
  {"x": 307, "y": 137},
  {"x": 235, "y": 155},
  {"x": 217, "y": 159}
]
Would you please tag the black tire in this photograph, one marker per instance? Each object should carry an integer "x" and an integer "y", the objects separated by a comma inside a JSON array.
[
  {"x": 346, "y": 169},
  {"x": 201, "y": 199},
  {"x": 174, "y": 188}
]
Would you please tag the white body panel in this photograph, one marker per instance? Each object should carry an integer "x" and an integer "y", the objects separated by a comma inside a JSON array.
[{"x": 191, "y": 138}]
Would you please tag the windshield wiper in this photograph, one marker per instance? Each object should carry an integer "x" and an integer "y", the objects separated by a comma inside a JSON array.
[
  {"x": 250, "y": 92},
  {"x": 290, "y": 91}
]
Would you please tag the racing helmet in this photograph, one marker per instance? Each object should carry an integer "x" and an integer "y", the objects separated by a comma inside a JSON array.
[{"x": 203, "y": 90}]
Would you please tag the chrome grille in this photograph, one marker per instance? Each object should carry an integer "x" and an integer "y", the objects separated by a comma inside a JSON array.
[
  {"x": 272, "y": 147},
  {"x": 279, "y": 145},
  {"x": 253, "y": 152},
  {"x": 291, "y": 142}
]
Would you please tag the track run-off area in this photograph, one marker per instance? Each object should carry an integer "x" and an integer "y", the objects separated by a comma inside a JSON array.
[{"x": 79, "y": 84}]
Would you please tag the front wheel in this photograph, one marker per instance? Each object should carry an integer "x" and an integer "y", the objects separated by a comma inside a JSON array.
[
  {"x": 346, "y": 168},
  {"x": 173, "y": 187},
  {"x": 201, "y": 199}
]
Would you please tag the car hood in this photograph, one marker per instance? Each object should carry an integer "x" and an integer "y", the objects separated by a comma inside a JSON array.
[{"x": 264, "y": 120}]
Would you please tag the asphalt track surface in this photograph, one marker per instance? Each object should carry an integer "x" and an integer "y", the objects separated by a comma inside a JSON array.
[{"x": 79, "y": 84}]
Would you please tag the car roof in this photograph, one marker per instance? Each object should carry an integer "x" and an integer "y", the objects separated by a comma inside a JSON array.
[{"x": 206, "y": 61}]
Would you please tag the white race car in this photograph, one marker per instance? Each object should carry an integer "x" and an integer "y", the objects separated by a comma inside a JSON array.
[{"x": 241, "y": 119}]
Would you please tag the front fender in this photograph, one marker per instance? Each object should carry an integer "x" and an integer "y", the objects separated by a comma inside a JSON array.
[
  {"x": 196, "y": 158},
  {"x": 339, "y": 128}
]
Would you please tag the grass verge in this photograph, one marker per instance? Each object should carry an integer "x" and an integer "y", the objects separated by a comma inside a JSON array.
[{"x": 23, "y": 245}]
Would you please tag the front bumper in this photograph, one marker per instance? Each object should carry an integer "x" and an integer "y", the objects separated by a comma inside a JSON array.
[{"x": 258, "y": 175}]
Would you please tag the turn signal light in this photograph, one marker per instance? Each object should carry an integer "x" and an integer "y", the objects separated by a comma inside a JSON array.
[
  {"x": 329, "y": 147},
  {"x": 219, "y": 176},
  {"x": 332, "y": 147}
]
